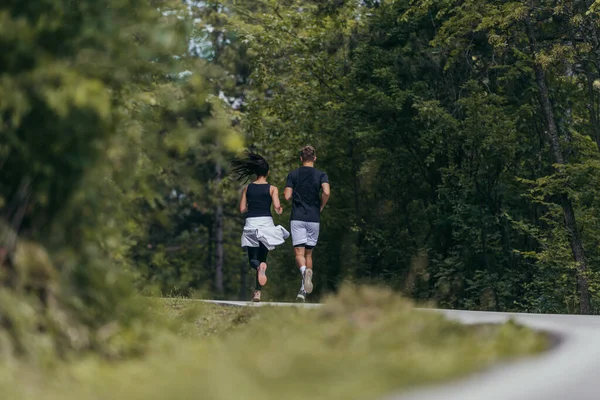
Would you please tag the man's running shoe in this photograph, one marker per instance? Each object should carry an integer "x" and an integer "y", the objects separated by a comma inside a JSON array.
[
  {"x": 262, "y": 274},
  {"x": 301, "y": 296},
  {"x": 308, "y": 285},
  {"x": 256, "y": 297}
]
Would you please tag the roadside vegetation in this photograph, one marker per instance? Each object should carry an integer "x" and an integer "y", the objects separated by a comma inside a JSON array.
[{"x": 363, "y": 343}]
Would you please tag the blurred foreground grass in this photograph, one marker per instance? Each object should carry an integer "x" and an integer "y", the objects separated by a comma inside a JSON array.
[{"x": 362, "y": 344}]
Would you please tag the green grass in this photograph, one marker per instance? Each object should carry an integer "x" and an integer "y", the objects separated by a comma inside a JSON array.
[{"x": 362, "y": 344}]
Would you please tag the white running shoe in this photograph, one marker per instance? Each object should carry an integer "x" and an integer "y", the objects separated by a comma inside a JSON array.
[
  {"x": 301, "y": 296},
  {"x": 308, "y": 285}
]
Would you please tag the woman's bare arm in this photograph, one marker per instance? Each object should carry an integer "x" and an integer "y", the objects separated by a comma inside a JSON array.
[
  {"x": 244, "y": 201},
  {"x": 276, "y": 202}
]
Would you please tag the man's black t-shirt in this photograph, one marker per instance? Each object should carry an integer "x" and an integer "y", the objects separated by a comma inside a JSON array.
[{"x": 306, "y": 200}]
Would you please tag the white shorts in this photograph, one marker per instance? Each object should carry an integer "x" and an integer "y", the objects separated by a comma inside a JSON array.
[{"x": 306, "y": 233}]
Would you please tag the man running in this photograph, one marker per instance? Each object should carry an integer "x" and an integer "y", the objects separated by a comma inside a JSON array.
[{"x": 303, "y": 187}]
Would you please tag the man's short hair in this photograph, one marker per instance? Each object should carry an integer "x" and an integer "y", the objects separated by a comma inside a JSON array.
[{"x": 308, "y": 153}]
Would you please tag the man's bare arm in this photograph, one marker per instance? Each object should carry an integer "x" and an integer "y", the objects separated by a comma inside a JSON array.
[
  {"x": 325, "y": 195},
  {"x": 287, "y": 193}
]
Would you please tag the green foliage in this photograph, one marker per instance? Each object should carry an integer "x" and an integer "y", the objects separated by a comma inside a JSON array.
[
  {"x": 426, "y": 116},
  {"x": 118, "y": 117},
  {"x": 383, "y": 344},
  {"x": 97, "y": 120}
]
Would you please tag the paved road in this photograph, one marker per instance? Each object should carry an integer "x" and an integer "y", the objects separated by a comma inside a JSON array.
[
  {"x": 570, "y": 371},
  {"x": 251, "y": 304}
]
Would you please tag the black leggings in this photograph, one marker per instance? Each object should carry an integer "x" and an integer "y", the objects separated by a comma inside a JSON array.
[{"x": 257, "y": 255}]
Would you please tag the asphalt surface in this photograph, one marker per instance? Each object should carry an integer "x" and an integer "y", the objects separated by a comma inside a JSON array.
[{"x": 569, "y": 371}]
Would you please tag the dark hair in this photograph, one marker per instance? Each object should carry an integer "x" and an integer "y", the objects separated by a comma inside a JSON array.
[
  {"x": 308, "y": 153},
  {"x": 252, "y": 164}
]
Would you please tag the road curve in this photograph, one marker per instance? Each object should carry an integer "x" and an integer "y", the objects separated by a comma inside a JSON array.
[{"x": 569, "y": 371}]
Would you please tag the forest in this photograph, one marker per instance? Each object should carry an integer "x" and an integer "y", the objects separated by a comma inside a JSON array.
[{"x": 461, "y": 139}]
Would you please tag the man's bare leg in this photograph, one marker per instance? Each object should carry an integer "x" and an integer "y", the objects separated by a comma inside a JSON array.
[
  {"x": 300, "y": 257},
  {"x": 308, "y": 257},
  {"x": 300, "y": 253},
  {"x": 308, "y": 285}
]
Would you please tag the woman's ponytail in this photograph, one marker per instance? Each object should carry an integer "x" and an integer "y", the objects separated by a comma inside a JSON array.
[{"x": 252, "y": 164}]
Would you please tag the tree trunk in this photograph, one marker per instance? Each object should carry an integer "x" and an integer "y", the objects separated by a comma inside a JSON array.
[
  {"x": 567, "y": 206},
  {"x": 219, "y": 237},
  {"x": 591, "y": 106},
  {"x": 9, "y": 230},
  {"x": 588, "y": 30}
]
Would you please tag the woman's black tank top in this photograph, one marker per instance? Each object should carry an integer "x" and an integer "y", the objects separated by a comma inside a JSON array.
[{"x": 259, "y": 200}]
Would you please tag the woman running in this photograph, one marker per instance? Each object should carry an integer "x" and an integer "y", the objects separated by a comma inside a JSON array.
[{"x": 260, "y": 233}]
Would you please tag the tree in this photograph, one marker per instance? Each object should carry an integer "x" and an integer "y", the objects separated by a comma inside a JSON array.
[
  {"x": 91, "y": 115},
  {"x": 456, "y": 134}
]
